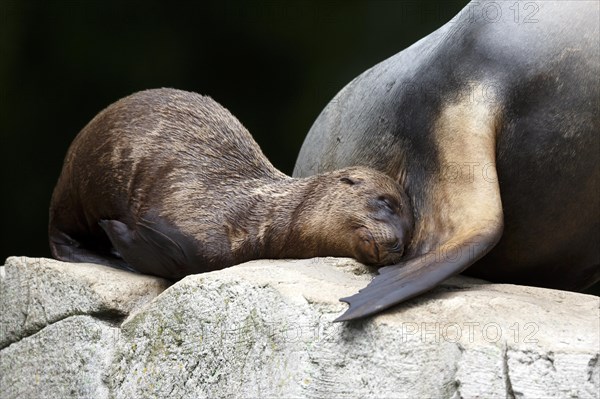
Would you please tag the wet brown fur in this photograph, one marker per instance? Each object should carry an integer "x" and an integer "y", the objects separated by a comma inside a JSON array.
[{"x": 178, "y": 163}]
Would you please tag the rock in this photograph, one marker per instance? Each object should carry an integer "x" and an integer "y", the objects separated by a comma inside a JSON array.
[
  {"x": 66, "y": 359},
  {"x": 264, "y": 329},
  {"x": 36, "y": 292}
]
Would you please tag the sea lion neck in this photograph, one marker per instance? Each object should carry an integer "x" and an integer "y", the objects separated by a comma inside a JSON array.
[{"x": 289, "y": 219}]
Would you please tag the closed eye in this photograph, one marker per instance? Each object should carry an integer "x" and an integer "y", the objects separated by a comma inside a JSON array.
[{"x": 388, "y": 203}]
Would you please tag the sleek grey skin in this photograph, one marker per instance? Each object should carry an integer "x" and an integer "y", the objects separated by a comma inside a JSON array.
[{"x": 492, "y": 126}]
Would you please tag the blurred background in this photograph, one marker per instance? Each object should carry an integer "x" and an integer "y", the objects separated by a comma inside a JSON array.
[{"x": 273, "y": 64}]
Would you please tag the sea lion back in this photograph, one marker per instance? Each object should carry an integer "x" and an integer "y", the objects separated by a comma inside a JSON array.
[
  {"x": 143, "y": 158},
  {"x": 178, "y": 125}
]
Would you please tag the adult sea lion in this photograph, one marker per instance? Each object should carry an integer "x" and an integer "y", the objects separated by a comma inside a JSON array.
[
  {"x": 491, "y": 125},
  {"x": 169, "y": 183}
]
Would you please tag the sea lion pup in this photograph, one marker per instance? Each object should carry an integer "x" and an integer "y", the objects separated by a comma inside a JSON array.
[
  {"x": 169, "y": 183},
  {"x": 492, "y": 126}
]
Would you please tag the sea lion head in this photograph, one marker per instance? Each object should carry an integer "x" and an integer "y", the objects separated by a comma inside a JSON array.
[{"x": 372, "y": 212}]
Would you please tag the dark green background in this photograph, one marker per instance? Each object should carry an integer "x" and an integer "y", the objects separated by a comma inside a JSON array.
[{"x": 272, "y": 64}]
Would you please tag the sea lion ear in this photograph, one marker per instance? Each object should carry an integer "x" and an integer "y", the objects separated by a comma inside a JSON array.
[{"x": 349, "y": 180}]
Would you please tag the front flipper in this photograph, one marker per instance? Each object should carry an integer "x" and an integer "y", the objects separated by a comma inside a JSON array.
[
  {"x": 457, "y": 205},
  {"x": 397, "y": 283},
  {"x": 153, "y": 247}
]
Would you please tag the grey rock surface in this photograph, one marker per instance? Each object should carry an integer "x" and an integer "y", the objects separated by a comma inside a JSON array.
[
  {"x": 67, "y": 359},
  {"x": 264, "y": 329},
  {"x": 36, "y": 292}
]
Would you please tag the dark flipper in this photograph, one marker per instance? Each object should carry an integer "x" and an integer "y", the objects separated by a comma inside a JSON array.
[
  {"x": 403, "y": 281},
  {"x": 153, "y": 247},
  {"x": 67, "y": 249}
]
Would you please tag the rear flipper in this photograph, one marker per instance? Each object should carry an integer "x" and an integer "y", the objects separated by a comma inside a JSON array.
[
  {"x": 153, "y": 247},
  {"x": 67, "y": 249}
]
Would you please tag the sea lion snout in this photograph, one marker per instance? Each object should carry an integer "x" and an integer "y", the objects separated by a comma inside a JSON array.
[
  {"x": 379, "y": 247},
  {"x": 367, "y": 248},
  {"x": 391, "y": 240}
]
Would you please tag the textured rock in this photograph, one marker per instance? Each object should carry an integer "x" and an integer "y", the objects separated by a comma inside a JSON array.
[
  {"x": 264, "y": 329},
  {"x": 67, "y": 359},
  {"x": 36, "y": 292}
]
